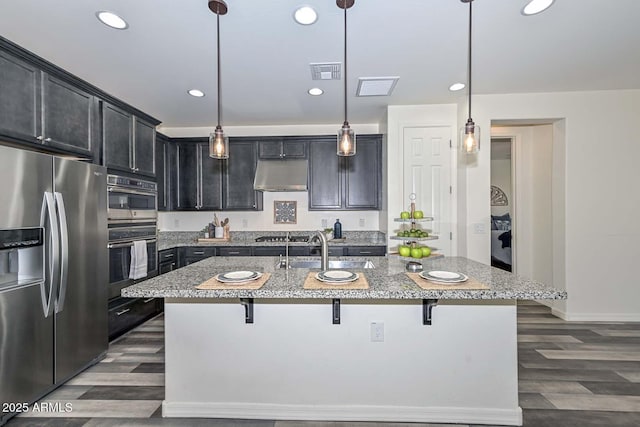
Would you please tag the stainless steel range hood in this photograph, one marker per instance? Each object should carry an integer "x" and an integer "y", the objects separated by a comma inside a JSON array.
[{"x": 281, "y": 175}]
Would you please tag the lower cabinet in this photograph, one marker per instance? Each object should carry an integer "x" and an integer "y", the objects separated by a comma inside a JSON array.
[
  {"x": 167, "y": 260},
  {"x": 127, "y": 313},
  {"x": 234, "y": 251},
  {"x": 190, "y": 254},
  {"x": 365, "y": 250},
  {"x": 280, "y": 250}
]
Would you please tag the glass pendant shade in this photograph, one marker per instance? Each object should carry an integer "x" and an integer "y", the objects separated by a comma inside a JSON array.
[
  {"x": 346, "y": 141},
  {"x": 470, "y": 138},
  {"x": 218, "y": 144}
]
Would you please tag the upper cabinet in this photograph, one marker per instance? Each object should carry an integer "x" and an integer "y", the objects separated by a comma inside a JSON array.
[
  {"x": 345, "y": 183},
  {"x": 165, "y": 161},
  {"x": 198, "y": 177},
  {"x": 282, "y": 148},
  {"x": 239, "y": 173},
  {"x": 129, "y": 142},
  {"x": 37, "y": 108}
]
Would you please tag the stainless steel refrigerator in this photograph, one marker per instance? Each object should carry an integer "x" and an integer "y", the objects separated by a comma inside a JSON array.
[{"x": 53, "y": 272}]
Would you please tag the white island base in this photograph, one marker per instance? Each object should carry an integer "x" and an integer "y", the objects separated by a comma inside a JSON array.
[{"x": 293, "y": 363}]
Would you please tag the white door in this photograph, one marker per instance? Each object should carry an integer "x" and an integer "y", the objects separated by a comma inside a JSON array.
[{"x": 427, "y": 173}]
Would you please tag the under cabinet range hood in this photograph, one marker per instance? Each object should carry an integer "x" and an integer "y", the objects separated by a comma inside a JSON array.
[{"x": 281, "y": 175}]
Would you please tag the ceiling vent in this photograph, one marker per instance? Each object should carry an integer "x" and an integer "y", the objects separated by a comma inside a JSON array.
[
  {"x": 325, "y": 71},
  {"x": 376, "y": 86}
]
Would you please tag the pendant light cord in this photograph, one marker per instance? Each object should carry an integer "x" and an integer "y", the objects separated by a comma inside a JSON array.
[
  {"x": 345, "y": 63},
  {"x": 219, "y": 94},
  {"x": 469, "y": 59}
]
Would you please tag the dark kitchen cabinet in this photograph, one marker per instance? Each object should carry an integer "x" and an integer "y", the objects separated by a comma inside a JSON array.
[
  {"x": 282, "y": 148},
  {"x": 239, "y": 173},
  {"x": 190, "y": 254},
  {"x": 345, "y": 183},
  {"x": 129, "y": 142},
  {"x": 39, "y": 108},
  {"x": 126, "y": 313},
  {"x": 280, "y": 250},
  {"x": 165, "y": 163},
  {"x": 167, "y": 260},
  {"x": 234, "y": 251},
  {"x": 333, "y": 251},
  {"x": 199, "y": 177},
  {"x": 365, "y": 250}
]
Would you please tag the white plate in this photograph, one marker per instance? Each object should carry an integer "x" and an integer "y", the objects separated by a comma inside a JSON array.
[
  {"x": 444, "y": 277},
  {"x": 337, "y": 276},
  {"x": 238, "y": 276}
]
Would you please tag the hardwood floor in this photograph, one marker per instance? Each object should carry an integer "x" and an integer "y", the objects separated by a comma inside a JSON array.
[{"x": 571, "y": 374}]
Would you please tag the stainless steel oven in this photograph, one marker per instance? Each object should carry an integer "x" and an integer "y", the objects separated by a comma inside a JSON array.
[
  {"x": 121, "y": 238},
  {"x": 131, "y": 200}
]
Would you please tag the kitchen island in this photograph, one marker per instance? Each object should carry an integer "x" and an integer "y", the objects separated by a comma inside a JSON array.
[{"x": 394, "y": 355}]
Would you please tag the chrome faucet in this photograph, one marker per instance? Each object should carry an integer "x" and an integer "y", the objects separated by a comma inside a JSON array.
[{"x": 324, "y": 254}]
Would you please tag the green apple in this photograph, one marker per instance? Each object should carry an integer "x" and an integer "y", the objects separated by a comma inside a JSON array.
[
  {"x": 418, "y": 214},
  {"x": 405, "y": 215},
  {"x": 404, "y": 250},
  {"x": 416, "y": 253},
  {"x": 426, "y": 251}
]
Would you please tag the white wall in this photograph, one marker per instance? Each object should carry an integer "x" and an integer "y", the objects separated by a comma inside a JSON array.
[
  {"x": 263, "y": 220},
  {"x": 399, "y": 117},
  {"x": 595, "y": 224}
]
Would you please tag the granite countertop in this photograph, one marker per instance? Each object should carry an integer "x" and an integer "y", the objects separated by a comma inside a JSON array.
[
  {"x": 173, "y": 239},
  {"x": 386, "y": 281}
]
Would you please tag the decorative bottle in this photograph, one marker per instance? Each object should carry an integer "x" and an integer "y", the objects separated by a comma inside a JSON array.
[{"x": 337, "y": 230}]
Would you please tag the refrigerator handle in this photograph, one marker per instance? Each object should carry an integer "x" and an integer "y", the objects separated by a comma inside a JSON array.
[
  {"x": 64, "y": 258},
  {"x": 52, "y": 253}
]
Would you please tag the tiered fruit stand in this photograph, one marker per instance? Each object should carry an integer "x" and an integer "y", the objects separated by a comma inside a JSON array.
[{"x": 413, "y": 264}]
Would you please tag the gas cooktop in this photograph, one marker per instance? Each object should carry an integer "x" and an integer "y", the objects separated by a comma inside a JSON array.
[{"x": 282, "y": 239}]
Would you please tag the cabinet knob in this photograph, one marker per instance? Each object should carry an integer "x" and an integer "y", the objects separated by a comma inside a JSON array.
[{"x": 40, "y": 138}]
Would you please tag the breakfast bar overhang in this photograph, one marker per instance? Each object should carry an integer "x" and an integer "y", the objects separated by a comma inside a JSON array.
[{"x": 381, "y": 362}]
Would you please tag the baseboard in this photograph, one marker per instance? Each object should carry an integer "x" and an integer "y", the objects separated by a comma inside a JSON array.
[
  {"x": 512, "y": 417},
  {"x": 596, "y": 317}
]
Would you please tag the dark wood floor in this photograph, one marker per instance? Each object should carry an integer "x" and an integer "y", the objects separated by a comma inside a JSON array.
[{"x": 571, "y": 374}]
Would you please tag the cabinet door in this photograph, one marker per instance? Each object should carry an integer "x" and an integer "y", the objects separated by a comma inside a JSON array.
[
  {"x": 325, "y": 178},
  {"x": 162, "y": 177},
  {"x": 364, "y": 175},
  {"x": 210, "y": 179},
  {"x": 187, "y": 177},
  {"x": 68, "y": 116},
  {"x": 117, "y": 129},
  {"x": 294, "y": 149},
  {"x": 234, "y": 251},
  {"x": 239, "y": 173},
  {"x": 19, "y": 99},
  {"x": 270, "y": 149},
  {"x": 144, "y": 148}
]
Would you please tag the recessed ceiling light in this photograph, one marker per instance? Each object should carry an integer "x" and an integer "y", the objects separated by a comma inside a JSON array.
[
  {"x": 112, "y": 20},
  {"x": 195, "y": 92},
  {"x": 457, "y": 86},
  {"x": 536, "y": 6},
  {"x": 315, "y": 91},
  {"x": 305, "y": 15}
]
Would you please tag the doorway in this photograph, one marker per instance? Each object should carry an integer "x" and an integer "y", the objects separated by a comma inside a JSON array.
[{"x": 502, "y": 202}]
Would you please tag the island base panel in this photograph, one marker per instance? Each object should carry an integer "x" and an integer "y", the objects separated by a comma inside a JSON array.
[{"x": 293, "y": 363}]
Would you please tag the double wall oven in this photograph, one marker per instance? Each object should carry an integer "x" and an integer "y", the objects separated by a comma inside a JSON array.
[{"x": 132, "y": 216}]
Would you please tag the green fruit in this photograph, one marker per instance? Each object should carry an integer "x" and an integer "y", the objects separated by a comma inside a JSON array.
[
  {"x": 418, "y": 214},
  {"x": 426, "y": 251},
  {"x": 405, "y": 215},
  {"x": 412, "y": 234},
  {"x": 416, "y": 253},
  {"x": 399, "y": 234},
  {"x": 404, "y": 250}
]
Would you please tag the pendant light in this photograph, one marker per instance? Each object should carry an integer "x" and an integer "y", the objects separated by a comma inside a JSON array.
[
  {"x": 470, "y": 133},
  {"x": 218, "y": 143},
  {"x": 346, "y": 136}
]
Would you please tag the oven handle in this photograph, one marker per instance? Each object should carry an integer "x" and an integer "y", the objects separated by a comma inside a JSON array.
[
  {"x": 126, "y": 244},
  {"x": 130, "y": 191}
]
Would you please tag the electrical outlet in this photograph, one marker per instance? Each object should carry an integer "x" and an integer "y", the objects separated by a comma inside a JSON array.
[
  {"x": 245, "y": 223},
  {"x": 377, "y": 332},
  {"x": 361, "y": 222},
  {"x": 324, "y": 223}
]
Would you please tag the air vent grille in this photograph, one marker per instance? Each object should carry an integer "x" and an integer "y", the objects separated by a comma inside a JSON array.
[{"x": 325, "y": 71}]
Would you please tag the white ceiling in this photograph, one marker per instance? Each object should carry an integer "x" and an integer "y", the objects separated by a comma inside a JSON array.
[{"x": 170, "y": 47}]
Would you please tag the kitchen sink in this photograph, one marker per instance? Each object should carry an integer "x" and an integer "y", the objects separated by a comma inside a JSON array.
[{"x": 333, "y": 264}]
